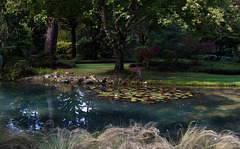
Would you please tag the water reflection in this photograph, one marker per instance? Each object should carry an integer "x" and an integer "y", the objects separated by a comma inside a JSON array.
[{"x": 28, "y": 106}]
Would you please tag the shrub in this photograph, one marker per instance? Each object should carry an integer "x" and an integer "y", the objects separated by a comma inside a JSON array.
[
  {"x": 169, "y": 56},
  {"x": 193, "y": 47},
  {"x": 65, "y": 63},
  {"x": 148, "y": 53},
  {"x": 207, "y": 57},
  {"x": 43, "y": 71},
  {"x": 138, "y": 58},
  {"x": 136, "y": 65},
  {"x": 64, "y": 49},
  {"x": 43, "y": 60},
  {"x": 23, "y": 41}
]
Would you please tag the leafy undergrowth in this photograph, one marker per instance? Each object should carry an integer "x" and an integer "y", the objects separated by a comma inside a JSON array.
[
  {"x": 134, "y": 137},
  {"x": 144, "y": 95}
]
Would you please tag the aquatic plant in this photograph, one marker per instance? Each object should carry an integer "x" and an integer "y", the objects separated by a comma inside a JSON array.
[{"x": 145, "y": 95}]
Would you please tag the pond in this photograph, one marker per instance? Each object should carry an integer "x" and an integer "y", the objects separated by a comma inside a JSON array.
[{"x": 31, "y": 106}]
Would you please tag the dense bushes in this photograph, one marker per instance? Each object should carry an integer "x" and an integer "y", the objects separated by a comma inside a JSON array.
[
  {"x": 200, "y": 66},
  {"x": 64, "y": 49},
  {"x": 49, "y": 61}
]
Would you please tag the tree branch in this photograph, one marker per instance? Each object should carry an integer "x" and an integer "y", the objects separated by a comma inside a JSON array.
[
  {"x": 127, "y": 30},
  {"x": 103, "y": 15}
]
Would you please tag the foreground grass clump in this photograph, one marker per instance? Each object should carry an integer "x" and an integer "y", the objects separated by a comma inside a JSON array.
[
  {"x": 196, "y": 138},
  {"x": 133, "y": 137},
  {"x": 18, "y": 140}
]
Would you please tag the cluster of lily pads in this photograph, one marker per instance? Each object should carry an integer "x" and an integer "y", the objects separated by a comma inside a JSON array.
[{"x": 145, "y": 95}]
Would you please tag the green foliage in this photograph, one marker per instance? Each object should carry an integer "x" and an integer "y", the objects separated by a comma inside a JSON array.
[
  {"x": 84, "y": 49},
  {"x": 169, "y": 56},
  {"x": 6, "y": 38},
  {"x": 43, "y": 60},
  {"x": 43, "y": 71},
  {"x": 18, "y": 70},
  {"x": 60, "y": 71},
  {"x": 170, "y": 37},
  {"x": 64, "y": 49},
  {"x": 236, "y": 58},
  {"x": 23, "y": 42},
  {"x": 136, "y": 65},
  {"x": 210, "y": 57},
  {"x": 138, "y": 58},
  {"x": 61, "y": 63}
]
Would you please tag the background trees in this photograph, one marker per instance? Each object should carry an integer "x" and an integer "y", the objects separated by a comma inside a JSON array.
[{"x": 113, "y": 28}]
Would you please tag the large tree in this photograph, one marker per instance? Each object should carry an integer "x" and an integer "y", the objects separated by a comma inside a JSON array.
[{"x": 118, "y": 17}]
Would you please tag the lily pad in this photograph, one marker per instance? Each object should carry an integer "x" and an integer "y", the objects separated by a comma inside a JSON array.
[{"x": 145, "y": 95}]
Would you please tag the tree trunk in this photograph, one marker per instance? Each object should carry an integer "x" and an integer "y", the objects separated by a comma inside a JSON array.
[
  {"x": 51, "y": 39},
  {"x": 118, "y": 52},
  {"x": 132, "y": 37},
  {"x": 117, "y": 49},
  {"x": 119, "y": 61},
  {"x": 73, "y": 32}
]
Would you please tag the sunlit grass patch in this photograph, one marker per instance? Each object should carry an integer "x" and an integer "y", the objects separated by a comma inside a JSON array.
[
  {"x": 93, "y": 69},
  {"x": 198, "y": 79}
]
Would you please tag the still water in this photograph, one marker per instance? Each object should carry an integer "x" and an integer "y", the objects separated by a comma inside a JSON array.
[{"x": 31, "y": 106}]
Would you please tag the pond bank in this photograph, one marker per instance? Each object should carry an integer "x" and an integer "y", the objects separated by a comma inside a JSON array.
[
  {"x": 66, "y": 77},
  {"x": 146, "y": 78}
]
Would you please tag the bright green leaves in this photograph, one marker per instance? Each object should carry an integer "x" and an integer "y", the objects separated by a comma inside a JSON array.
[{"x": 145, "y": 95}]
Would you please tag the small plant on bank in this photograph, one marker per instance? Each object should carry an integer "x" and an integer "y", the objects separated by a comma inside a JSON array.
[
  {"x": 60, "y": 71},
  {"x": 43, "y": 71},
  {"x": 148, "y": 53}
]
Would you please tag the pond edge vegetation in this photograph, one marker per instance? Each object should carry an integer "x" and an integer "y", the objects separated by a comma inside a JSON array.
[{"x": 132, "y": 137}]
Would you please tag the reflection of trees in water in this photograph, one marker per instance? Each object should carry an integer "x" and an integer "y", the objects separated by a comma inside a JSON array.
[
  {"x": 30, "y": 106},
  {"x": 22, "y": 105},
  {"x": 72, "y": 107}
]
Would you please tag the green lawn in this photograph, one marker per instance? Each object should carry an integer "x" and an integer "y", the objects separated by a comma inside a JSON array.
[
  {"x": 192, "y": 78},
  {"x": 96, "y": 69},
  {"x": 169, "y": 78}
]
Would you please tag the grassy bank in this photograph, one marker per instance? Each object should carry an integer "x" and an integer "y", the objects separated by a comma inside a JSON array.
[
  {"x": 93, "y": 69},
  {"x": 166, "y": 78},
  {"x": 133, "y": 137},
  {"x": 194, "y": 79}
]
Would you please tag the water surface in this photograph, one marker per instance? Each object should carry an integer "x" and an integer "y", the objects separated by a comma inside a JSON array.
[{"x": 31, "y": 106}]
